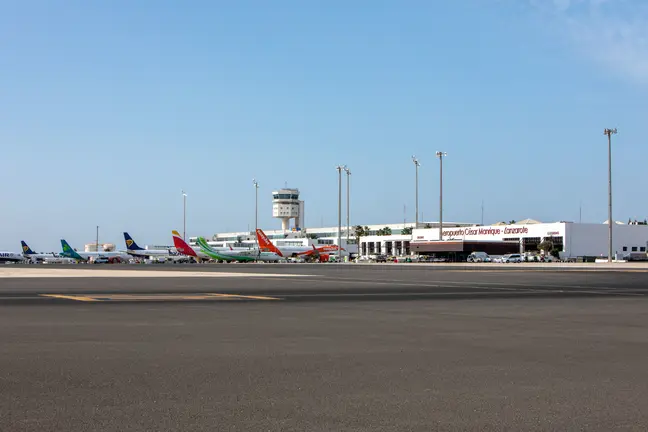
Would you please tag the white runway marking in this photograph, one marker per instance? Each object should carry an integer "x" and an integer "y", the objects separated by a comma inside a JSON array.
[
  {"x": 82, "y": 273},
  {"x": 156, "y": 297}
]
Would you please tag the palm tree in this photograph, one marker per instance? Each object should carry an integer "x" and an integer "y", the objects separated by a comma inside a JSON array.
[
  {"x": 546, "y": 246},
  {"x": 360, "y": 231},
  {"x": 407, "y": 231}
]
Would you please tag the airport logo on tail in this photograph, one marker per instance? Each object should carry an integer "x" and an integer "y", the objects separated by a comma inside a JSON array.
[
  {"x": 182, "y": 246},
  {"x": 265, "y": 244},
  {"x": 26, "y": 249},
  {"x": 202, "y": 243},
  {"x": 69, "y": 252},
  {"x": 130, "y": 243}
]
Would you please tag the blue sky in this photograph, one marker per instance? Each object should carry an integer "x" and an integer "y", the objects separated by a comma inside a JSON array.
[{"x": 109, "y": 109}]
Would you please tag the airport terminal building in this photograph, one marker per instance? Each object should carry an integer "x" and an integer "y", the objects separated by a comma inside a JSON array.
[
  {"x": 572, "y": 240},
  {"x": 318, "y": 236},
  {"x": 457, "y": 241}
]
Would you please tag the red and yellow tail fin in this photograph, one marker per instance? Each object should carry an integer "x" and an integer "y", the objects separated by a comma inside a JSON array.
[{"x": 182, "y": 246}]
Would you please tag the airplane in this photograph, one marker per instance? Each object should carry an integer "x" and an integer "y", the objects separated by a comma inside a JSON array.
[
  {"x": 30, "y": 254},
  {"x": 49, "y": 258},
  {"x": 69, "y": 252},
  {"x": 185, "y": 249},
  {"x": 182, "y": 247},
  {"x": 246, "y": 255},
  {"x": 133, "y": 249},
  {"x": 294, "y": 251},
  {"x": 11, "y": 257}
]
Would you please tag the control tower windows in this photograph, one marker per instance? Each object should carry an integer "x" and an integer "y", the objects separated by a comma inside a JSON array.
[{"x": 285, "y": 196}]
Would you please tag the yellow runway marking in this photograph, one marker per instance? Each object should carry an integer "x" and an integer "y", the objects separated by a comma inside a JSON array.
[
  {"x": 158, "y": 297},
  {"x": 71, "y": 297}
]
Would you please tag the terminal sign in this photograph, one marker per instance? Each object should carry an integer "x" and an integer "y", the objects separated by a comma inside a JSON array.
[{"x": 485, "y": 231}]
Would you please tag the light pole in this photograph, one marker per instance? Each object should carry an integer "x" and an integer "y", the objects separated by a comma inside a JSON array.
[
  {"x": 482, "y": 213},
  {"x": 97, "y": 244},
  {"x": 609, "y": 133},
  {"x": 417, "y": 164},
  {"x": 348, "y": 173},
  {"x": 441, "y": 155},
  {"x": 184, "y": 215},
  {"x": 256, "y": 212},
  {"x": 339, "y": 169}
]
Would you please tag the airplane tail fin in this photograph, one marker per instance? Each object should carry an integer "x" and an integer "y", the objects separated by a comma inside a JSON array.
[
  {"x": 26, "y": 249},
  {"x": 314, "y": 252},
  {"x": 182, "y": 246},
  {"x": 265, "y": 244},
  {"x": 204, "y": 245},
  {"x": 69, "y": 252},
  {"x": 130, "y": 243}
]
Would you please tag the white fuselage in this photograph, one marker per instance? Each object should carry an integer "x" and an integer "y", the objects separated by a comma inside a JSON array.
[
  {"x": 88, "y": 255},
  {"x": 254, "y": 253},
  {"x": 56, "y": 260},
  {"x": 41, "y": 256},
  {"x": 245, "y": 254},
  {"x": 220, "y": 250},
  {"x": 145, "y": 253},
  {"x": 47, "y": 257},
  {"x": 11, "y": 257}
]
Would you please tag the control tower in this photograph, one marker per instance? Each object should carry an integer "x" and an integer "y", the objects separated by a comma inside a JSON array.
[{"x": 286, "y": 205}]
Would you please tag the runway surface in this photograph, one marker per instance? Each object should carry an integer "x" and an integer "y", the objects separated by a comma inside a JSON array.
[
  {"x": 306, "y": 283},
  {"x": 356, "y": 348}
]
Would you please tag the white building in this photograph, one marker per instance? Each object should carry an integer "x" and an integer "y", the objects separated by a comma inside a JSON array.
[
  {"x": 572, "y": 239},
  {"x": 314, "y": 236}
]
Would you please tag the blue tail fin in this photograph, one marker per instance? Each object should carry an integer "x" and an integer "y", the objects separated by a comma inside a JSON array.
[
  {"x": 130, "y": 243},
  {"x": 26, "y": 249}
]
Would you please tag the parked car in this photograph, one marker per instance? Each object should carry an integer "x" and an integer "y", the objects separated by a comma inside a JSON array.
[
  {"x": 479, "y": 257},
  {"x": 534, "y": 257},
  {"x": 512, "y": 258},
  {"x": 101, "y": 260},
  {"x": 378, "y": 258}
]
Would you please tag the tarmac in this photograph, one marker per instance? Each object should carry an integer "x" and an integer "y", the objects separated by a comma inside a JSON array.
[{"x": 322, "y": 347}]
